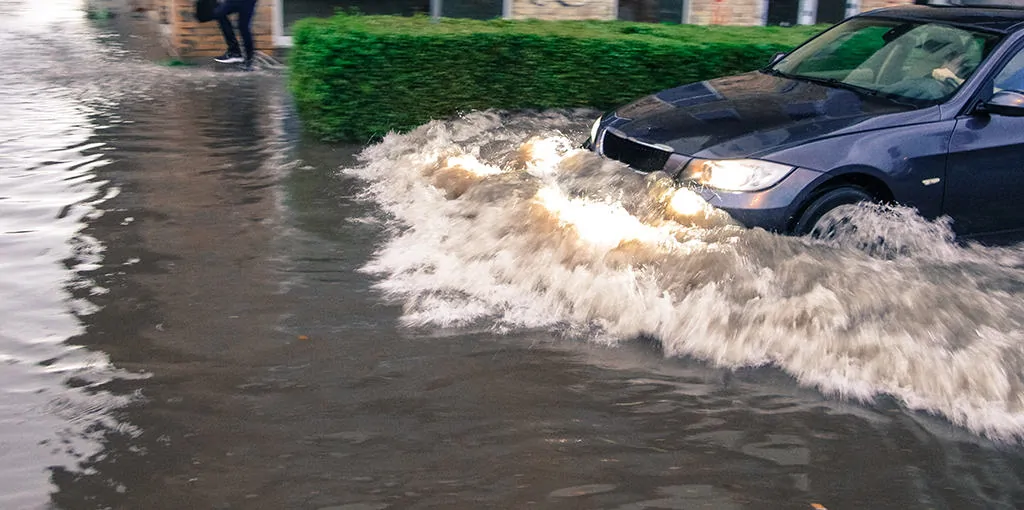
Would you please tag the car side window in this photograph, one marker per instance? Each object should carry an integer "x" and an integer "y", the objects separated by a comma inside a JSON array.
[{"x": 1011, "y": 77}]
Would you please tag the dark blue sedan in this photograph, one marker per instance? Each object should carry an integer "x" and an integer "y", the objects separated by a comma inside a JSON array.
[{"x": 921, "y": 106}]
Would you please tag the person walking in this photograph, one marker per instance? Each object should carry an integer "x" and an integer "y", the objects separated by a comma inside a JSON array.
[{"x": 245, "y": 10}]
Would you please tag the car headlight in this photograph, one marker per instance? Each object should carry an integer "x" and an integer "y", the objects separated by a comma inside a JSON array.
[
  {"x": 735, "y": 174},
  {"x": 594, "y": 129}
]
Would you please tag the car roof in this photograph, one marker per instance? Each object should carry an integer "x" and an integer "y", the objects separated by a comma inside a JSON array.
[{"x": 997, "y": 19}]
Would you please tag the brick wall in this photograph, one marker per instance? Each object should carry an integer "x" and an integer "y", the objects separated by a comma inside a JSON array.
[
  {"x": 563, "y": 9},
  {"x": 189, "y": 38},
  {"x": 726, "y": 12},
  {"x": 870, "y": 5}
]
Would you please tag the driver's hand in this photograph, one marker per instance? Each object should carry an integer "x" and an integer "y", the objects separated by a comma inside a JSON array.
[{"x": 943, "y": 74}]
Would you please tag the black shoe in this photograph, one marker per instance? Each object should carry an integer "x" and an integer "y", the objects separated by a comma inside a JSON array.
[
  {"x": 229, "y": 58},
  {"x": 246, "y": 65}
]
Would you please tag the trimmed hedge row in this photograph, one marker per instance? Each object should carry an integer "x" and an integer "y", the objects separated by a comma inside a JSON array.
[{"x": 358, "y": 77}]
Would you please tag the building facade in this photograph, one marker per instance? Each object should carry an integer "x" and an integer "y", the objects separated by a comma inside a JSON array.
[{"x": 187, "y": 38}]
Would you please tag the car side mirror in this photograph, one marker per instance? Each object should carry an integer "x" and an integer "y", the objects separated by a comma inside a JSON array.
[
  {"x": 776, "y": 57},
  {"x": 1005, "y": 102}
]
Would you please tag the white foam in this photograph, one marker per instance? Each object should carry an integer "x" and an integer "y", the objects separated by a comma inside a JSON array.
[{"x": 499, "y": 221}]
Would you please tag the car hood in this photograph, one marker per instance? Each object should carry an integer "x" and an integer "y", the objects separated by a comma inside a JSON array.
[{"x": 755, "y": 114}]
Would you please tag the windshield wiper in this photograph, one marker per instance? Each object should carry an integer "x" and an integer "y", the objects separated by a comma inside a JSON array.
[
  {"x": 775, "y": 72},
  {"x": 833, "y": 82}
]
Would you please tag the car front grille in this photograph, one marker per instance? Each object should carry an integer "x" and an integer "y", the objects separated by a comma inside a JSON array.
[{"x": 637, "y": 155}]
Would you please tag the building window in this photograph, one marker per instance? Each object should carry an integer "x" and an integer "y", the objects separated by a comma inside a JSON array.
[
  {"x": 783, "y": 12},
  {"x": 651, "y": 11},
  {"x": 294, "y": 10},
  {"x": 831, "y": 11},
  {"x": 476, "y": 9}
]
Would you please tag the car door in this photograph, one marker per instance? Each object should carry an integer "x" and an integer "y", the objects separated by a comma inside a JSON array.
[{"x": 985, "y": 169}]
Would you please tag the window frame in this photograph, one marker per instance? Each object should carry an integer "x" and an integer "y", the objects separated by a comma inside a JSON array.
[{"x": 285, "y": 41}]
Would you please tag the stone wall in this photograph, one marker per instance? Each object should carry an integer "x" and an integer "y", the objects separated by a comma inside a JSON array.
[
  {"x": 189, "y": 38},
  {"x": 702, "y": 12},
  {"x": 563, "y": 9},
  {"x": 727, "y": 12}
]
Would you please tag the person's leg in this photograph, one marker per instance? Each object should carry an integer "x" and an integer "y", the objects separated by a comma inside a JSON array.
[
  {"x": 246, "y": 9},
  {"x": 234, "y": 53}
]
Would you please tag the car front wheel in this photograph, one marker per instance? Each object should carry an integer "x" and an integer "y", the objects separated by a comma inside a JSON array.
[{"x": 829, "y": 214}]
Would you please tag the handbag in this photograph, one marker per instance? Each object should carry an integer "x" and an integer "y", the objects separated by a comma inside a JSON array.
[{"x": 205, "y": 10}]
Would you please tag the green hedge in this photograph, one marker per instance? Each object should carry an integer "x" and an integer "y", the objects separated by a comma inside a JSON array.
[{"x": 358, "y": 77}]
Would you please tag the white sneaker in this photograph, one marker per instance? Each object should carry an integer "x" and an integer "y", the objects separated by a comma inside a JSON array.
[{"x": 229, "y": 58}]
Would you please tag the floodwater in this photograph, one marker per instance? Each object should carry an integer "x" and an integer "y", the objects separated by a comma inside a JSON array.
[{"x": 201, "y": 308}]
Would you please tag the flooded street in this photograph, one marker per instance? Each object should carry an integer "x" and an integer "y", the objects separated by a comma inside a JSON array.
[{"x": 203, "y": 308}]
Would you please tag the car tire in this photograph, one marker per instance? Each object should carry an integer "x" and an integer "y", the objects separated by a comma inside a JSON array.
[{"x": 826, "y": 203}]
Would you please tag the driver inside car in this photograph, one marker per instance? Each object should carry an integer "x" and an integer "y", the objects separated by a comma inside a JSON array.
[
  {"x": 942, "y": 59},
  {"x": 948, "y": 71}
]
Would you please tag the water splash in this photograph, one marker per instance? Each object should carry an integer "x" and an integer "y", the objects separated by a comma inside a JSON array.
[{"x": 498, "y": 220}]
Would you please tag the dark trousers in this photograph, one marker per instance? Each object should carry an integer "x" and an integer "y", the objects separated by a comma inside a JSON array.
[{"x": 245, "y": 9}]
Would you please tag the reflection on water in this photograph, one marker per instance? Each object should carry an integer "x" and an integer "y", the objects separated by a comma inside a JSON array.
[
  {"x": 186, "y": 323},
  {"x": 53, "y": 408}
]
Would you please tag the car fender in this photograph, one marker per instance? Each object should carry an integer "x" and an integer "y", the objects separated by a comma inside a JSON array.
[{"x": 909, "y": 160}]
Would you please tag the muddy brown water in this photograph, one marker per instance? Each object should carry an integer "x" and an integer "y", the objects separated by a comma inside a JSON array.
[{"x": 203, "y": 308}]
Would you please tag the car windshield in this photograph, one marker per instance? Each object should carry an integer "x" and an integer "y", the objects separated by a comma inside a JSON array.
[{"x": 915, "y": 62}]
